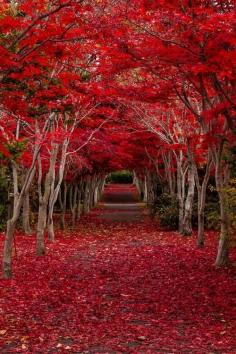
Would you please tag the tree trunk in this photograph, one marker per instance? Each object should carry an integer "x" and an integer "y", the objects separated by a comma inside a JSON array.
[
  {"x": 92, "y": 191},
  {"x": 101, "y": 184},
  {"x": 11, "y": 224},
  {"x": 44, "y": 199},
  {"x": 55, "y": 192},
  {"x": 167, "y": 159},
  {"x": 86, "y": 203},
  {"x": 222, "y": 258},
  {"x": 145, "y": 191},
  {"x": 50, "y": 225},
  {"x": 73, "y": 203},
  {"x": 42, "y": 220},
  {"x": 7, "y": 251},
  {"x": 180, "y": 197},
  {"x": 78, "y": 207},
  {"x": 26, "y": 214},
  {"x": 222, "y": 178},
  {"x": 63, "y": 203},
  {"x": 96, "y": 197},
  {"x": 137, "y": 182},
  {"x": 201, "y": 190},
  {"x": 188, "y": 209}
]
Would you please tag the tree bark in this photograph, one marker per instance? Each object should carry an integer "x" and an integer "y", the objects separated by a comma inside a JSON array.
[
  {"x": 63, "y": 203},
  {"x": 26, "y": 214},
  {"x": 86, "y": 202},
  {"x": 44, "y": 199},
  {"x": 7, "y": 251},
  {"x": 55, "y": 191},
  {"x": 73, "y": 202},
  {"x": 18, "y": 200},
  {"x": 78, "y": 207},
  {"x": 222, "y": 178},
  {"x": 188, "y": 208},
  {"x": 145, "y": 190},
  {"x": 201, "y": 190},
  {"x": 167, "y": 159},
  {"x": 11, "y": 223},
  {"x": 41, "y": 225},
  {"x": 182, "y": 169}
]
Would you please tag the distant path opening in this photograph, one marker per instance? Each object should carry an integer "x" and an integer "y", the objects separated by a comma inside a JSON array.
[{"x": 120, "y": 203}]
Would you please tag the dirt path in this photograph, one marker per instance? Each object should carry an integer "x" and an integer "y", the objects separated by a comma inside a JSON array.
[
  {"x": 121, "y": 203},
  {"x": 118, "y": 285}
]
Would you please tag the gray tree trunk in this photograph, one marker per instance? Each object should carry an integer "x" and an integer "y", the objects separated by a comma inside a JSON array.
[
  {"x": 181, "y": 179},
  {"x": 11, "y": 223},
  {"x": 18, "y": 200},
  {"x": 26, "y": 214},
  {"x": 73, "y": 202},
  {"x": 78, "y": 207},
  {"x": 86, "y": 204},
  {"x": 63, "y": 203},
  {"x": 55, "y": 191},
  {"x": 222, "y": 178},
  {"x": 201, "y": 190},
  {"x": 44, "y": 200},
  {"x": 188, "y": 207}
]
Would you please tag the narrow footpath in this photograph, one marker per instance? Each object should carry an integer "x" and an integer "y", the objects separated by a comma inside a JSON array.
[
  {"x": 121, "y": 203},
  {"x": 118, "y": 284}
]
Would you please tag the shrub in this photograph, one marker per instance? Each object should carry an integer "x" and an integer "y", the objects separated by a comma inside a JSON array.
[
  {"x": 212, "y": 216},
  {"x": 231, "y": 191},
  {"x": 120, "y": 177},
  {"x": 213, "y": 210},
  {"x": 166, "y": 211}
]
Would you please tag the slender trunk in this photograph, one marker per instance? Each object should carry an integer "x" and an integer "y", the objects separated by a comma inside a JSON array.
[
  {"x": 222, "y": 257},
  {"x": 26, "y": 214},
  {"x": 201, "y": 227},
  {"x": 180, "y": 197},
  {"x": 101, "y": 186},
  {"x": 55, "y": 191},
  {"x": 7, "y": 251},
  {"x": 138, "y": 184},
  {"x": 74, "y": 194},
  {"x": 42, "y": 221},
  {"x": 188, "y": 208},
  {"x": 44, "y": 200},
  {"x": 92, "y": 191},
  {"x": 167, "y": 159},
  {"x": 145, "y": 190},
  {"x": 181, "y": 215},
  {"x": 50, "y": 225},
  {"x": 201, "y": 190},
  {"x": 71, "y": 197},
  {"x": 63, "y": 203},
  {"x": 78, "y": 207},
  {"x": 11, "y": 224},
  {"x": 96, "y": 195},
  {"x": 86, "y": 203}
]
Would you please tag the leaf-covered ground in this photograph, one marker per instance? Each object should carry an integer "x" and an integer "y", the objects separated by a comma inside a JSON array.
[{"x": 118, "y": 287}]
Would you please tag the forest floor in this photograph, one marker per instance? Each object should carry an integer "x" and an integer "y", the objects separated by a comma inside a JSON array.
[{"x": 118, "y": 284}]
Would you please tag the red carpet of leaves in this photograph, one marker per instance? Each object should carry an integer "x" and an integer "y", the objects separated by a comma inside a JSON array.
[{"x": 118, "y": 288}]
